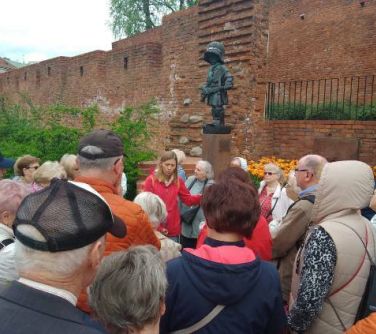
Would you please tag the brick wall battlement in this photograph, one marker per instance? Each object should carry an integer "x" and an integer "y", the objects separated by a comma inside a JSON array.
[{"x": 272, "y": 40}]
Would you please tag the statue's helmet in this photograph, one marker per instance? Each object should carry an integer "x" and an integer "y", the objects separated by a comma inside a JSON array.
[{"x": 216, "y": 48}]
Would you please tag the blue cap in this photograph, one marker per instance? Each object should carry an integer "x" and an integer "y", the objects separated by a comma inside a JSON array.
[{"x": 5, "y": 163}]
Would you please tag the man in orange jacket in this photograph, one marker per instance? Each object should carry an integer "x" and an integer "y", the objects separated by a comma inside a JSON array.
[
  {"x": 364, "y": 326},
  {"x": 100, "y": 161}
]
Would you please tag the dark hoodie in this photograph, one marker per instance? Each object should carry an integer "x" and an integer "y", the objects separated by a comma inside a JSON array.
[{"x": 223, "y": 274}]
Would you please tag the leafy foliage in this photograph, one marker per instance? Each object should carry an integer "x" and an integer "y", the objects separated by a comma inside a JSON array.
[
  {"x": 49, "y": 132},
  {"x": 130, "y": 17},
  {"x": 132, "y": 127},
  {"x": 327, "y": 111}
]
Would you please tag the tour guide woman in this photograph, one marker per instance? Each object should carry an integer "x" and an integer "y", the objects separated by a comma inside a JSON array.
[
  {"x": 223, "y": 275},
  {"x": 169, "y": 187}
]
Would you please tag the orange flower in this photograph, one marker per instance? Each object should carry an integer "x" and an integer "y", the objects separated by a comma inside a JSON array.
[{"x": 256, "y": 168}]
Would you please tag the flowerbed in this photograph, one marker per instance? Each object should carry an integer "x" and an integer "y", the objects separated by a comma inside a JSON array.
[{"x": 256, "y": 168}]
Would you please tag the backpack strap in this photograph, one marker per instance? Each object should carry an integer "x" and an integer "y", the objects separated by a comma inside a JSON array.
[
  {"x": 202, "y": 323},
  {"x": 5, "y": 243},
  {"x": 310, "y": 198},
  {"x": 365, "y": 244}
]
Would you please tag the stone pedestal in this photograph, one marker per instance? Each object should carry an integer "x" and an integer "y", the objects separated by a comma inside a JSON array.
[{"x": 217, "y": 150}]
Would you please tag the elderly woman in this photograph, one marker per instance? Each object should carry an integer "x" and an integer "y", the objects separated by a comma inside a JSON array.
[
  {"x": 239, "y": 162},
  {"x": 274, "y": 201},
  {"x": 222, "y": 287},
  {"x": 260, "y": 241},
  {"x": 25, "y": 167},
  {"x": 11, "y": 195},
  {"x": 203, "y": 177},
  {"x": 169, "y": 187},
  {"x": 292, "y": 188},
  {"x": 69, "y": 162},
  {"x": 45, "y": 173},
  {"x": 128, "y": 292},
  {"x": 157, "y": 213},
  {"x": 180, "y": 155}
]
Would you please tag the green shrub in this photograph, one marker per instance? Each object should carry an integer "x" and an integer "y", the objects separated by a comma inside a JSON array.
[
  {"x": 327, "y": 111},
  {"x": 49, "y": 132}
]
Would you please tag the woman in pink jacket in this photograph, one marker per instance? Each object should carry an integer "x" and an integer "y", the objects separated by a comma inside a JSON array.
[{"x": 169, "y": 187}]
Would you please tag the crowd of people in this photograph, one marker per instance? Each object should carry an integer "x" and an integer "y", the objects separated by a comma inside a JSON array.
[{"x": 199, "y": 253}]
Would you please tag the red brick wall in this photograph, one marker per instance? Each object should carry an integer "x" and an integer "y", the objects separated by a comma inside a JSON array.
[
  {"x": 263, "y": 43},
  {"x": 337, "y": 38},
  {"x": 293, "y": 139}
]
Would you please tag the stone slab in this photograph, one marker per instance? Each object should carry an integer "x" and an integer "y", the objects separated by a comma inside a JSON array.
[{"x": 336, "y": 148}]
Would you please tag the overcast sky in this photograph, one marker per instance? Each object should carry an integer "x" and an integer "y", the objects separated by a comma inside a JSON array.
[{"x": 35, "y": 30}]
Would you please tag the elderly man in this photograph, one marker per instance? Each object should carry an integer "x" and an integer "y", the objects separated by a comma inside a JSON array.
[
  {"x": 60, "y": 238},
  {"x": 5, "y": 163},
  {"x": 133, "y": 308},
  {"x": 11, "y": 195},
  {"x": 100, "y": 160},
  {"x": 290, "y": 234}
]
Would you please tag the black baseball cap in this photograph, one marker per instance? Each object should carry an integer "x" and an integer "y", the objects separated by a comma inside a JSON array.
[
  {"x": 69, "y": 215},
  {"x": 109, "y": 142},
  {"x": 6, "y": 162}
]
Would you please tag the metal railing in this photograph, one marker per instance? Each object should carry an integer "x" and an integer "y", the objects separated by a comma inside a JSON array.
[{"x": 348, "y": 98}]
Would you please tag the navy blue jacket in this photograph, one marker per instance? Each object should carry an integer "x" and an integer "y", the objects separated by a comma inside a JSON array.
[
  {"x": 251, "y": 292},
  {"x": 25, "y": 310}
]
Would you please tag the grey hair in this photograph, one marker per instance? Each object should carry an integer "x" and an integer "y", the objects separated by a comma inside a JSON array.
[
  {"x": 315, "y": 163},
  {"x": 180, "y": 155},
  {"x": 61, "y": 264},
  {"x": 48, "y": 170},
  {"x": 129, "y": 289},
  {"x": 103, "y": 164},
  {"x": 69, "y": 162},
  {"x": 153, "y": 206},
  {"x": 208, "y": 168}
]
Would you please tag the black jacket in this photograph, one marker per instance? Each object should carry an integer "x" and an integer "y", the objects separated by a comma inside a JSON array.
[{"x": 25, "y": 310}]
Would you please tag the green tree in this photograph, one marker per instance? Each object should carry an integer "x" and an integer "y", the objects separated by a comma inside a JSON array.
[{"x": 130, "y": 17}]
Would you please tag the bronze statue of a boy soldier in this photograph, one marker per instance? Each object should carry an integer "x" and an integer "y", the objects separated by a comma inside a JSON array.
[{"x": 214, "y": 91}]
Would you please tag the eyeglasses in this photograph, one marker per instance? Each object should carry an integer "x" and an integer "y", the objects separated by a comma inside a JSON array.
[
  {"x": 268, "y": 173},
  {"x": 32, "y": 167},
  {"x": 300, "y": 170}
]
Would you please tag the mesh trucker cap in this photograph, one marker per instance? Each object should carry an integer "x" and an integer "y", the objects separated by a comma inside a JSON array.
[
  {"x": 109, "y": 142},
  {"x": 69, "y": 215}
]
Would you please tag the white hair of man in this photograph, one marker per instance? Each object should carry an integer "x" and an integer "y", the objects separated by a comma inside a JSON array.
[
  {"x": 129, "y": 289},
  {"x": 153, "y": 206},
  {"x": 314, "y": 163},
  {"x": 60, "y": 264},
  {"x": 207, "y": 167},
  {"x": 103, "y": 164},
  {"x": 11, "y": 195}
]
